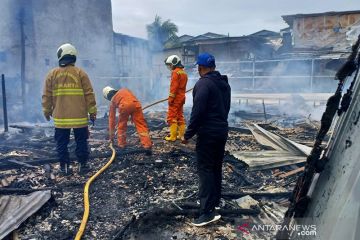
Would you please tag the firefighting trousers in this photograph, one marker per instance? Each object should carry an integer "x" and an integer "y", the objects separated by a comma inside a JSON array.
[
  {"x": 62, "y": 138},
  {"x": 137, "y": 117},
  {"x": 210, "y": 153},
  {"x": 176, "y": 114}
]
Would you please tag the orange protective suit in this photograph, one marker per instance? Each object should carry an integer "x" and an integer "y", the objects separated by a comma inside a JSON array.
[
  {"x": 176, "y": 100},
  {"x": 128, "y": 105}
]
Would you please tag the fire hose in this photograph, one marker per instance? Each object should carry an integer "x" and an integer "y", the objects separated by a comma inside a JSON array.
[
  {"x": 92, "y": 178},
  {"x": 86, "y": 194},
  {"x": 162, "y": 100}
]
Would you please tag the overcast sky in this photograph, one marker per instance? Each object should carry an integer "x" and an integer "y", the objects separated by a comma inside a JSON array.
[{"x": 236, "y": 17}]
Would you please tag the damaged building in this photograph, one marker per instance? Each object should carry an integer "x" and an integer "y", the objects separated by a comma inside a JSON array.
[
  {"x": 321, "y": 33},
  {"x": 272, "y": 132},
  {"x": 301, "y": 58}
]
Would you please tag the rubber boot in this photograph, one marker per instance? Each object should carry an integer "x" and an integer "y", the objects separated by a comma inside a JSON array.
[
  {"x": 181, "y": 131},
  {"x": 172, "y": 136},
  {"x": 83, "y": 168}
]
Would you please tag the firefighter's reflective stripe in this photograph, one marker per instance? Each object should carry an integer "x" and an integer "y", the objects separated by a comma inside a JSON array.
[
  {"x": 70, "y": 121},
  {"x": 92, "y": 109},
  {"x": 181, "y": 72},
  {"x": 68, "y": 91},
  {"x": 172, "y": 95}
]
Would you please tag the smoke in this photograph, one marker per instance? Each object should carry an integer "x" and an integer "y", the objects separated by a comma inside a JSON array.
[{"x": 109, "y": 59}]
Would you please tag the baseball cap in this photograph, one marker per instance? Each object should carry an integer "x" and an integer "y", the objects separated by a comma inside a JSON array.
[{"x": 206, "y": 60}]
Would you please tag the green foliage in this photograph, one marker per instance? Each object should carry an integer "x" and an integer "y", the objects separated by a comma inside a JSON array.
[{"x": 161, "y": 34}]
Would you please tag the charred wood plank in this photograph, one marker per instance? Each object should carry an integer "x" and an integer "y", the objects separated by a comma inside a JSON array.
[
  {"x": 6, "y": 164},
  {"x": 293, "y": 172},
  {"x": 157, "y": 214},
  {"x": 232, "y": 195},
  {"x": 223, "y": 211},
  {"x": 120, "y": 234},
  {"x": 240, "y": 130},
  {"x": 240, "y": 174},
  {"x": 22, "y": 163}
]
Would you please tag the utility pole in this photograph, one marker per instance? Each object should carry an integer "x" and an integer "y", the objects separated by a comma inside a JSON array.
[
  {"x": 6, "y": 128},
  {"x": 253, "y": 73},
  {"x": 312, "y": 75},
  {"x": 22, "y": 45}
]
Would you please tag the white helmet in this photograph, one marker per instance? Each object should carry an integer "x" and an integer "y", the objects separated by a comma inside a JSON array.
[
  {"x": 66, "y": 49},
  {"x": 173, "y": 60},
  {"x": 108, "y": 92}
]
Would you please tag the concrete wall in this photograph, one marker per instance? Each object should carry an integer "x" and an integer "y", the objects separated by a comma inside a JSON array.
[
  {"x": 47, "y": 24},
  {"x": 134, "y": 62}
]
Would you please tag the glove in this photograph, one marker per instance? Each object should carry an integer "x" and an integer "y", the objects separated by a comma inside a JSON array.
[
  {"x": 93, "y": 117},
  {"x": 47, "y": 116},
  {"x": 170, "y": 100}
]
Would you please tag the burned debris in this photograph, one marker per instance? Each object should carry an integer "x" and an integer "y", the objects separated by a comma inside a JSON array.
[
  {"x": 275, "y": 154},
  {"x": 142, "y": 196}
]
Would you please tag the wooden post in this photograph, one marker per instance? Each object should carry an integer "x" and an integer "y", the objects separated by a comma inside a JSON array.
[
  {"x": 312, "y": 75},
  {"x": 6, "y": 128},
  {"x": 263, "y": 102},
  {"x": 22, "y": 45},
  {"x": 253, "y": 73}
]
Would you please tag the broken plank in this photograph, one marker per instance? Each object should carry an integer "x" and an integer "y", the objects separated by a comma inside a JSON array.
[
  {"x": 22, "y": 163},
  {"x": 293, "y": 172},
  {"x": 230, "y": 195},
  {"x": 9, "y": 165},
  {"x": 240, "y": 130},
  {"x": 240, "y": 174}
]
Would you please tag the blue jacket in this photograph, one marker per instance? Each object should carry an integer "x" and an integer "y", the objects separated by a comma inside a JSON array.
[{"x": 211, "y": 105}]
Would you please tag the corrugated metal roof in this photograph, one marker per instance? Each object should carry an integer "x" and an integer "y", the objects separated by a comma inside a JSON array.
[
  {"x": 290, "y": 18},
  {"x": 286, "y": 151},
  {"x": 16, "y": 209}
]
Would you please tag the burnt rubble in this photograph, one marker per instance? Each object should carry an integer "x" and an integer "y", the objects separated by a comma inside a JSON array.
[{"x": 140, "y": 196}]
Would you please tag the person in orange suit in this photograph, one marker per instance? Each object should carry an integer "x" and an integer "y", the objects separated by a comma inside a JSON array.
[
  {"x": 127, "y": 105},
  {"x": 176, "y": 100}
]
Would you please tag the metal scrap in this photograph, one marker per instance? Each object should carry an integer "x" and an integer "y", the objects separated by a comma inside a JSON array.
[
  {"x": 286, "y": 151},
  {"x": 16, "y": 209}
]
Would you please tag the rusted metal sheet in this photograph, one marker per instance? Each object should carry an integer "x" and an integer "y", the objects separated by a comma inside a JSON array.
[
  {"x": 322, "y": 31},
  {"x": 286, "y": 152},
  {"x": 16, "y": 209}
]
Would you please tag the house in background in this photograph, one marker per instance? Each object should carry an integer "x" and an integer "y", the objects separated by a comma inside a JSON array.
[
  {"x": 317, "y": 34},
  {"x": 260, "y": 45}
]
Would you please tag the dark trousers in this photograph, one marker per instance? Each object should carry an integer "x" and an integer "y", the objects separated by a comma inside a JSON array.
[
  {"x": 62, "y": 138},
  {"x": 210, "y": 153}
]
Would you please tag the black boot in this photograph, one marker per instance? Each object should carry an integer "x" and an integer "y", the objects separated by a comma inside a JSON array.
[
  {"x": 83, "y": 167},
  {"x": 148, "y": 151}
]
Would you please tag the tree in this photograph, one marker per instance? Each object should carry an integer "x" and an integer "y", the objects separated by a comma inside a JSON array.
[{"x": 161, "y": 33}]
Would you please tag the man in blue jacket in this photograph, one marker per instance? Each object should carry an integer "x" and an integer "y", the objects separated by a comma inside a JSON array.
[{"x": 211, "y": 105}]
